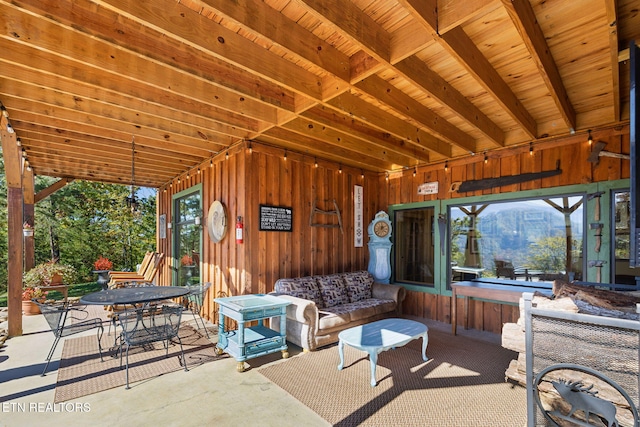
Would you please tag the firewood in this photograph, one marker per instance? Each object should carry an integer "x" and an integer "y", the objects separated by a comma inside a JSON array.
[{"x": 594, "y": 296}]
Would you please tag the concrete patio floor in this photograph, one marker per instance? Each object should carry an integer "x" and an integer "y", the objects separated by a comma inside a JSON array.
[{"x": 210, "y": 394}]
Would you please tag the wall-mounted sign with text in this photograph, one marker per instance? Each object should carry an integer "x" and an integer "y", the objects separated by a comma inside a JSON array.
[
  {"x": 428, "y": 188},
  {"x": 276, "y": 218}
]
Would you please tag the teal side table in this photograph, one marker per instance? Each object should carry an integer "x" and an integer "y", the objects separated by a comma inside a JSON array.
[{"x": 249, "y": 342}]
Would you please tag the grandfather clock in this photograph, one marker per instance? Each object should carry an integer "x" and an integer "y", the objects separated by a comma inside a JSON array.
[{"x": 380, "y": 247}]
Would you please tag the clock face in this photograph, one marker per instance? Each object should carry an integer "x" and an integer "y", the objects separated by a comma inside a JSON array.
[{"x": 381, "y": 229}]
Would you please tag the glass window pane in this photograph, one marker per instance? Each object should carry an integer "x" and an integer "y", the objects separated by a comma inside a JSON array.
[
  {"x": 414, "y": 246},
  {"x": 622, "y": 272},
  {"x": 537, "y": 239},
  {"x": 187, "y": 236}
]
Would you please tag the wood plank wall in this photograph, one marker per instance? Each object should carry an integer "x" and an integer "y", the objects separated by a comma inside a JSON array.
[
  {"x": 261, "y": 175},
  {"x": 572, "y": 152}
]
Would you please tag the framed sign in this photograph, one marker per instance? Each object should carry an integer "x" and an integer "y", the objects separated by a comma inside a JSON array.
[
  {"x": 358, "y": 222},
  {"x": 276, "y": 218}
]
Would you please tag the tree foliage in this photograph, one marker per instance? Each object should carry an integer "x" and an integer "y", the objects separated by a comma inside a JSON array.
[{"x": 83, "y": 221}]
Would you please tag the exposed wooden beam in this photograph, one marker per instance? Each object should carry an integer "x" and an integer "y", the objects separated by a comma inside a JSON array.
[
  {"x": 612, "y": 18},
  {"x": 419, "y": 74},
  {"x": 46, "y": 192},
  {"x": 458, "y": 44},
  {"x": 453, "y": 13},
  {"x": 524, "y": 19}
]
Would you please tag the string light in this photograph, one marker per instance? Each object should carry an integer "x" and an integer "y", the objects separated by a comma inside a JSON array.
[
  {"x": 446, "y": 165},
  {"x": 18, "y": 142},
  {"x": 10, "y": 128},
  {"x": 198, "y": 170},
  {"x": 340, "y": 169},
  {"x": 226, "y": 156},
  {"x": 211, "y": 163},
  {"x": 315, "y": 163},
  {"x": 531, "y": 148},
  {"x": 285, "y": 154},
  {"x": 250, "y": 148},
  {"x": 486, "y": 158},
  {"x": 5, "y": 113},
  {"x": 415, "y": 171},
  {"x": 386, "y": 176},
  {"x": 590, "y": 139},
  {"x": 361, "y": 173}
]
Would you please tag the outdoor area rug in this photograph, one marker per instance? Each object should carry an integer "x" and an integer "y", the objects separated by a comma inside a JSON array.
[
  {"x": 82, "y": 373},
  {"x": 462, "y": 384}
]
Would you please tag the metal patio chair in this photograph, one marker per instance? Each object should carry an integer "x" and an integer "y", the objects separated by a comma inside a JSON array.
[
  {"x": 148, "y": 325},
  {"x": 63, "y": 322},
  {"x": 194, "y": 300}
]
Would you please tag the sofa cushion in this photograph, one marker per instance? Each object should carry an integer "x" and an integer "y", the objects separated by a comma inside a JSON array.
[
  {"x": 358, "y": 285},
  {"x": 301, "y": 287},
  {"x": 334, "y": 317},
  {"x": 333, "y": 290}
]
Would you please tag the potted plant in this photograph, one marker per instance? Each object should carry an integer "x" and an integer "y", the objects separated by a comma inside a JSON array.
[
  {"x": 49, "y": 273},
  {"x": 27, "y": 229},
  {"x": 102, "y": 266},
  {"x": 29, "y": 308}
]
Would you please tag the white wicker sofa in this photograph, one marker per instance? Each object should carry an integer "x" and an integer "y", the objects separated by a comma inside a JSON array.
[{"x": 322, "y": 306}]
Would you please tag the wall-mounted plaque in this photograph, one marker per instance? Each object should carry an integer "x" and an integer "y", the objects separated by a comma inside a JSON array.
[{"x": 276, "y": 218}]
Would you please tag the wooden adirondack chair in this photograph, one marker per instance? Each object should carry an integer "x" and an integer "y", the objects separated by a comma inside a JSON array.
[
  {"x": 146, "y": 275},
  {"x": 142, "y": 267}
]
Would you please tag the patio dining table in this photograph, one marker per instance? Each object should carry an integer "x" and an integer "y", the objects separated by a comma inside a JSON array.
[{"x": 133, "y": 295}]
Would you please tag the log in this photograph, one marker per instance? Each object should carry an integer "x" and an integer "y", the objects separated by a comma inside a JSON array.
[{"x": 594, "y": 296}]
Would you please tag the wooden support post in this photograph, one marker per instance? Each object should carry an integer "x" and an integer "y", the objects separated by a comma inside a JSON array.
[
  {"x": 29, "y": 215},
  {"x": 13, "y": 172}
]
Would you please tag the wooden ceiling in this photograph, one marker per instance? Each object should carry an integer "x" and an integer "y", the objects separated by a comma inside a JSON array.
[{"x": 377, "y": 85}]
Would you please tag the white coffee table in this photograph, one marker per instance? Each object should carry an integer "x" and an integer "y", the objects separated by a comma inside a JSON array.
[{"x": 376, "y": 337}]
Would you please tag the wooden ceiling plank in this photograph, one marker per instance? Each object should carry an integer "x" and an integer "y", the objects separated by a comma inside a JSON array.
[
  {"x": 183, "y": 24},
  {"x": 331, "y": 137},
  {"x": 524, "y": 19},
  {"x": 331, "y": 118},
  {"x": 422, "y": 76},
  {"x": 458, "y": 44},
  {"x": 314, "y": 148},
  {"x": 107, "y": 25},
  {"x": 375, "y": 117},
  {"x": 31, "y": 132},
  {"x": 276, "y": 27},
  {"x": 347, "y": 18},
  {"x": 407, "y": 106},
  {"x": 454, "y": 13},
  {"x": 195, "y": 135},
  {"x": 83, "y": 115},
  {"x": 611, "y": 7},
  {"x": 60, "y": 124},
  {"x": 109, "y": 58}
]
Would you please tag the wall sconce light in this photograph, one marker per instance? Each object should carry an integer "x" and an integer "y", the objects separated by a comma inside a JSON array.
[{"x": 590, "y": 139}]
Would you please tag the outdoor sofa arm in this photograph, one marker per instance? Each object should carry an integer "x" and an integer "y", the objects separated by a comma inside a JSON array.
[
  {"x": 394, "y": 292},
  {"x": 301, "y": 310}
]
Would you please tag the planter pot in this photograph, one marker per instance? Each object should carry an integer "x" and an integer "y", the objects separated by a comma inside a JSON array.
[
  {"x": 29, "y": 308},
  {"x": 28, "y": 232},
  {"x": 103, "y": 277}
]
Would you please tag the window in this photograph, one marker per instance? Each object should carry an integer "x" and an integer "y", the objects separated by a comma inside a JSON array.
[
  {"x": 414, "y": 247},
  {"x": 533, "y": 239},
  {"x": 621, "y": 272},
  {"x": 187, "y": 238}
]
